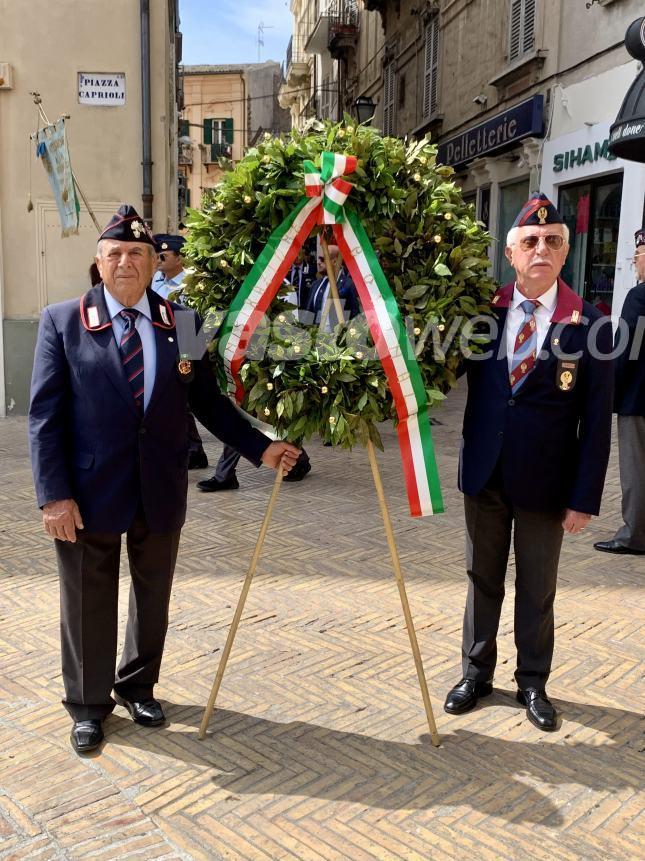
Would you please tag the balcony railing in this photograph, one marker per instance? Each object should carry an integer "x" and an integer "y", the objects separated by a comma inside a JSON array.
[
  {"x": 215, "y": 151},
  {"x": 333, "y": 28},
  {"x": 185, "y": 153}
]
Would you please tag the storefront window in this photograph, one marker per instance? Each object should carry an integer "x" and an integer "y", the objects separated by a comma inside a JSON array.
[
  {"x": 592, "y": 212},
  {"x": 512, "y": 198}
]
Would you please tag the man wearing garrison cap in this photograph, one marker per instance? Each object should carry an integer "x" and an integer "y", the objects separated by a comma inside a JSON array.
[
  {"x": 629, "y": 403},
  {"x": 535, "y": 447},
  {"x": 108, "y": 439}
]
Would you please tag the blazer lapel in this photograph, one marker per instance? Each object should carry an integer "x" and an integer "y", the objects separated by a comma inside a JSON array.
[
  {"x": 163, "y": 321},
  {"x": 95, "y": 319}
]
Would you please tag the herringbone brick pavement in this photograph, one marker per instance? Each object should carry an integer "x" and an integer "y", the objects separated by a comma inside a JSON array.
[{"x": 319, "y": 749}]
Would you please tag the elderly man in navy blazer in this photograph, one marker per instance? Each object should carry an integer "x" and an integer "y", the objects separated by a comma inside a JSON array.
[
  {"x": 536, "y": 440},
  {"x": 109, "y": 451}
]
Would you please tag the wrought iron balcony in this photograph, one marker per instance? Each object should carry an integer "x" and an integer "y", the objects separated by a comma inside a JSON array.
[{"x": 343, "y": 27}]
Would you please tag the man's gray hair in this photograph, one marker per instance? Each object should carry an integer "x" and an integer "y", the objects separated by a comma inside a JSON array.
[
  {"x": 511, "y": 236},
  {"x": 100, "y": 245}
]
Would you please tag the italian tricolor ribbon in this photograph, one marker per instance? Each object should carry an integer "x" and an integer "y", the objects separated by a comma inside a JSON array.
[{"x": 326, "y": 193}]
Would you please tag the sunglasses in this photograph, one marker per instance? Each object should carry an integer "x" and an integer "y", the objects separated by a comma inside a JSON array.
[{"x": 554, "y": 241}]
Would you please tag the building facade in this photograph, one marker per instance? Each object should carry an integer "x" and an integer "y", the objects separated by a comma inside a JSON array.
[
  {"x": 519, "y": 95},
  {"x": 226, "y": 109},
  {"x": 106, "y": 144}
]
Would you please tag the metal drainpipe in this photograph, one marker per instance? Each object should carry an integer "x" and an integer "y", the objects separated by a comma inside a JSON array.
[{"x": 146, "y": 196}]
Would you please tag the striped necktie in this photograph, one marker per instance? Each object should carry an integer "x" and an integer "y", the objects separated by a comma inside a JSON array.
[
  {"x": 525, "y": 352},
  {"x": 131, "y": 351}
]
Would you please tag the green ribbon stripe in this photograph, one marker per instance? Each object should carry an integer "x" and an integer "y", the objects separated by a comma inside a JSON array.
[{"x": 254, "y": 275}]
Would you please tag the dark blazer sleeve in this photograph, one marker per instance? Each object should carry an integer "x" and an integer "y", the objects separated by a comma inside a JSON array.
[
  {"x": 594, "y": 433},
  {"x": 48, "y": 415},
  {"x": 216, "y": 412}
]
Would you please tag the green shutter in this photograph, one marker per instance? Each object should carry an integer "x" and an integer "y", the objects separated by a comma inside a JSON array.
[
  {"x": 228, "y": 130},
  {"x": 208, "y": 131},
  {"x": 184, "y": 128}
]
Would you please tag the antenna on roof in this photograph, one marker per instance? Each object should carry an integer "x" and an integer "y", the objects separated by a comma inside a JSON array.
[{"x": 261, "y": 28}]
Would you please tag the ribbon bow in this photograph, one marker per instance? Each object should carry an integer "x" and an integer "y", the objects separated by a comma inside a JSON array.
[{"x": 328, "y": 185}]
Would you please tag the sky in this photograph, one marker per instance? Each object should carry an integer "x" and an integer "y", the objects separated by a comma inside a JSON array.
[{"x": 226, "y": 31}]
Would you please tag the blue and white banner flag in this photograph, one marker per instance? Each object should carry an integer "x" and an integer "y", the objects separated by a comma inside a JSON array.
[{"x": 51, "y": 147}]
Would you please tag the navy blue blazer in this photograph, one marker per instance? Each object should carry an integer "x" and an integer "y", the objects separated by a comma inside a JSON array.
[
  {"x": 629, "y": 397},
  {"x": 551, "y": 438},
  {"x": 87, "y": 440}
]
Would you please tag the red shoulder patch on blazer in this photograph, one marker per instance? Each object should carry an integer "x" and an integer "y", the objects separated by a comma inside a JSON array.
[
  {"x": 502, "y": 299},
  {"x": 94, "y": 313},
  {"x": 569, "y": 307},
  {"x": 160, "y": 311}
]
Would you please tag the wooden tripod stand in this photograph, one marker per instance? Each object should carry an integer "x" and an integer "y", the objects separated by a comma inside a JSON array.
[{"x": 208, "y": 711}]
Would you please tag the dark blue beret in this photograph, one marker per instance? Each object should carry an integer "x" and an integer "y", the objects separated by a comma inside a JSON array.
[{"x": 639, "y": 237}]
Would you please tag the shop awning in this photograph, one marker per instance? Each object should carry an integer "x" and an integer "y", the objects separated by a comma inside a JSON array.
[{"x": 627, "y": 134}]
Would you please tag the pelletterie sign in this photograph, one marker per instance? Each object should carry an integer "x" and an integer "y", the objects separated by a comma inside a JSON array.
[{"x": 101, "y": 88}]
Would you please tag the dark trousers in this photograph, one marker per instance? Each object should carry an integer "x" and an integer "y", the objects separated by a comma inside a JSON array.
[
  {"x": 537, "y": 539},
  {"x": 195, "y": 443},
  {"x": 230, "y": 457},
  {"x": 89, "y": 586}
]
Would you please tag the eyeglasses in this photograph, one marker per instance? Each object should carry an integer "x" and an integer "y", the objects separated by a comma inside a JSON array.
[{"x": 554, "y": 241}]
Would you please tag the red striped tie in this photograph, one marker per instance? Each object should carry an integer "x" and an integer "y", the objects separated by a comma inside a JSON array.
[{"x": 131, "y": 351}]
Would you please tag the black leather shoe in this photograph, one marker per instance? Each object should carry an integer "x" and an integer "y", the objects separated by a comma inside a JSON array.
[
  {"x": 463, "y": 697},
  {"x": 298, "y": 472},
  {"x": 210, "y": 485},
  {"x": 613, "y": 546},
  {"x": 145, "y": 712},
  {"x": 86, "y": 735},
  {"x": 539, "y": 709},
  {"x": 197, "y": 460}
]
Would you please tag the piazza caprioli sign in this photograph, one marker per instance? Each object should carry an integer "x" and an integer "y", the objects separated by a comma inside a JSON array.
[{"x": 101, "y": 88}]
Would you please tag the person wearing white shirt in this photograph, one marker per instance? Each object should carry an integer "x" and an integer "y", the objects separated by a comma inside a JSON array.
[{"x": 170, "y": 264}]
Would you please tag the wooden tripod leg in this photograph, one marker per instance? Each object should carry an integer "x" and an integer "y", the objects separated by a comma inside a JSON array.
[
  {"x": 434, "y": 735},
  {"x": 208, "y": 711}
]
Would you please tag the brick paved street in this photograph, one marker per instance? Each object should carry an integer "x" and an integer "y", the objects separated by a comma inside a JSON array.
[{"x": 320, "y": 750}]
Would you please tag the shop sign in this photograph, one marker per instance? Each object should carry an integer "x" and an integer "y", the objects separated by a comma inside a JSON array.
[
  {"x": 99, "y": 88},
  {"x": 582, "y": 155},
  {"x": 498, "y": 133}
]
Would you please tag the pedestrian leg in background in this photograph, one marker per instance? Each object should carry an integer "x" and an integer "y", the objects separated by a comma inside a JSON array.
[
  {"x": 224, "y": 477},
  {"x": 631, "y": 457},
  {"x": 196, "y": 455}
]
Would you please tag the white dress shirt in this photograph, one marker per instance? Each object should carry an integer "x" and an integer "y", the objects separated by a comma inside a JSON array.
[
  {"x": 146, "y": 333},
  {"x": 542, "y": 314}
]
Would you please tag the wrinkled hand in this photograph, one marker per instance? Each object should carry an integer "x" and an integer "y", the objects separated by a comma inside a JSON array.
[
  {"x": 575, "y": 521},
  {"x": 61, "y": 519},
  {"x": 281, "y": 454}
]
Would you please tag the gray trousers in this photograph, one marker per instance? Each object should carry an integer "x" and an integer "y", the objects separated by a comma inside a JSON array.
[
  {"x": 631, "y": 458},
  {"x": 537, "y": 538},
  {"x": 89, "y": 587}
]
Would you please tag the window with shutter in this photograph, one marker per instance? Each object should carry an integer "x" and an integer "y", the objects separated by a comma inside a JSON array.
[
  {"x": 522, "y": 28},
  {"x": 184, "y": 128},
  {"x": 208, "y": 131},
  {"x": 431, "y": 68},
  {"x": 389, "y": 87}
]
